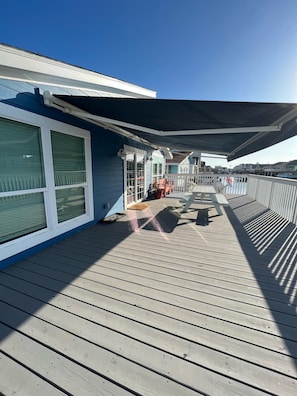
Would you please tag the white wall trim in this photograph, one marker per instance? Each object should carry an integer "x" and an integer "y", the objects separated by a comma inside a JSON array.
[{"x": 133, "y": 150}]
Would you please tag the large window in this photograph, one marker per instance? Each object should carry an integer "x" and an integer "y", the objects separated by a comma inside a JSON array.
[
  {"x": 21, "y": 215},
  {"x": 69, "y": 170},
  {"x": 45, "y": 180},
  {"x": 21, "y": 170},
  {"x": 21, "y": 162}
]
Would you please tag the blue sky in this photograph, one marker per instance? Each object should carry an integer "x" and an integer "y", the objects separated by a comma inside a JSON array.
[{"x": 241, "y": 50}]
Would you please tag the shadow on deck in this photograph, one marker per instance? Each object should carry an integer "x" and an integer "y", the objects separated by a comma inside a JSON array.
[
  {"x": 155, "y": 304},
  {"x": 270, "y": 244}
]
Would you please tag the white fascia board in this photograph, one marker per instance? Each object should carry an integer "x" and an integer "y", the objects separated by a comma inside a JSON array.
[
  {"x": 86, "y": 88},
  {"x": 20, "y": 61}
]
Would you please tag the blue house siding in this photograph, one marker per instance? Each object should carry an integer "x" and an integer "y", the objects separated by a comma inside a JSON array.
[
  {"x": 108, "y": 173},
  {"x": 107, "y": 167}
]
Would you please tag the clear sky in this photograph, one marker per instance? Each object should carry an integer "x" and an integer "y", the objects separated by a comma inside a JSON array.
[{"x": 237, "y": 50}]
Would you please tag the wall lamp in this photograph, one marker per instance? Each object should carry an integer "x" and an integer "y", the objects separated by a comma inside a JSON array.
[{"x": 122, "y": 154}]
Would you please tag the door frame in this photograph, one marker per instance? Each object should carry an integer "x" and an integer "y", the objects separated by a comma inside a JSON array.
[{"x": 134, "y": 151}]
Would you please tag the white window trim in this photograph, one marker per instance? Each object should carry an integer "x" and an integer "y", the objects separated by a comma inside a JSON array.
[
  {"x": 158, "y": 155},
  {"x": 54, "y": 228}
]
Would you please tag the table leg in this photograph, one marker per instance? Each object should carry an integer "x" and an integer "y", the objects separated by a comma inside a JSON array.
[
  {"x": 216, "y": 205},
  {"x": 189, "y": 202}
]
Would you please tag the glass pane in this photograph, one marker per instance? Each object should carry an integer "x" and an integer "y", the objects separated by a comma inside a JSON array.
[
  {"x": 69, "y": 159},
  {"x": 21, "y": 215},
  {"x": 21, "y": 162},
  {"x": 140, "y": 177},
  {"x": 135, "y": 177},
  {"x": 130, "y": 178},
  {"x": 70, "y": 203}
]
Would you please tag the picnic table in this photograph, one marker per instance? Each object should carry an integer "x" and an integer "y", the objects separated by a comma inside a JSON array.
[{"x": 204, "y": 194}]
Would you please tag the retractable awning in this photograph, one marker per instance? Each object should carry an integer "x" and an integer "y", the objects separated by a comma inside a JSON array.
[{"x": 233, "y": 129}]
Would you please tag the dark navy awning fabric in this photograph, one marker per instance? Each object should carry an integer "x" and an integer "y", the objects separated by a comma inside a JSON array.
[{"x": 188, "y": 115}]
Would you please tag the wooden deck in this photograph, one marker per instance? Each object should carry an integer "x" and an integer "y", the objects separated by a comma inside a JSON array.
[{"x": 155, "y": 304}]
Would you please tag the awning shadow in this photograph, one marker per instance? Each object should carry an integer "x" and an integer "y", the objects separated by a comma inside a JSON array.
[
  {"x": 270, "y": 243},
  {"x": 166, "y": 220}
]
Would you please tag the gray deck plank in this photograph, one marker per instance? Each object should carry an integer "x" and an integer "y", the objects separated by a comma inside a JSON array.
[
  {"x": 18, "y": 380},
  {"x": 262, "y": 320},
  {"x": 217, "y": 272},
  {"x": 231, "y": 311},
  {"x": 168, "y": 351},
  {"x": 184, "y": 308},
  {"x": 67, "y": 375},
  {"x": 216, "y": 287},
  {"x": 134, "y": 317},
  {"x": 181, "y": 309},
  {"x": 94, "y": 357},
  {"x": 227, "y": 262}
]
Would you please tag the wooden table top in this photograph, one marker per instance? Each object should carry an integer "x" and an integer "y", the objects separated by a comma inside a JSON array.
[{"x": 204, "y": 189}]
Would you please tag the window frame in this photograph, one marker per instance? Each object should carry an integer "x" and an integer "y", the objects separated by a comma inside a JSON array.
[
  {"x": 157, "y": 159},
  {"x": 53, "y": 229}
]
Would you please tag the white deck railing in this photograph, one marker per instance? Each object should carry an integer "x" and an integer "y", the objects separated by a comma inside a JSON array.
[
  {"x": 277, "y": 194},
  {"x": 225, "y": 183}
]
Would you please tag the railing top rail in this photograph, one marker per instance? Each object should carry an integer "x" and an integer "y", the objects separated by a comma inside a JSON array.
[{"x": 274, "y": 179}]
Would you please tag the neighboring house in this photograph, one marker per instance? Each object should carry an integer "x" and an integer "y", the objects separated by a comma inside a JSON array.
[
  {"x": 292, "y": 166},
  {"x": 245, "y": 168},
  {"x": 180, "y": 163},
  {"x": 289, "y": 171},
  {"x": 158, "y": 166},
  {"x": 59, "y": 173}
]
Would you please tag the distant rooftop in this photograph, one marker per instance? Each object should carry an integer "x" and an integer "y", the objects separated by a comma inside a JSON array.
[{"x": 178, "y": 157}]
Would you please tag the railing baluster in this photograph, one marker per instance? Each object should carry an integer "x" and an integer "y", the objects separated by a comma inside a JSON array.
[
  {"x": 226, "y": 183},
  {"x": 277, "y": 194}
]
